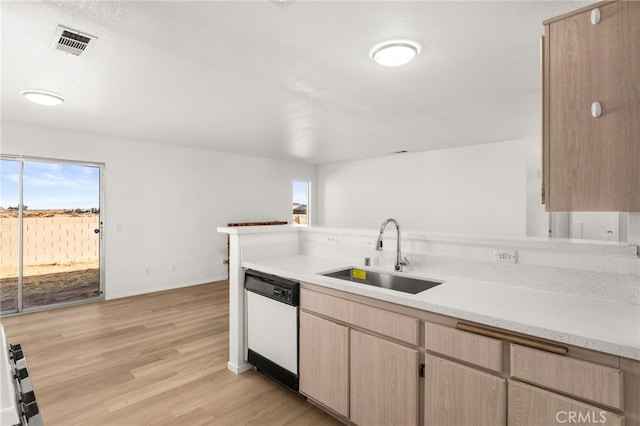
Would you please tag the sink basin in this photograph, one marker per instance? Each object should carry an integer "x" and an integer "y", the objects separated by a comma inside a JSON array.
[{"x": 384, "y": 280}]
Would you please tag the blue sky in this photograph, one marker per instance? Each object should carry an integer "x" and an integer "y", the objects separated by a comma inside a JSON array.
[
  {"x": 300, "y": 192},
  {"x": 50, "y": 185}
]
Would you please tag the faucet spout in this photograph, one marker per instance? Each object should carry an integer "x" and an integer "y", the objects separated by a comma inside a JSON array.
[{"x": 400, "y": 260}]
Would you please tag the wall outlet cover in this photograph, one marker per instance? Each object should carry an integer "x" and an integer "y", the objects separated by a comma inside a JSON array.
[{"x": 505, "y": 256}]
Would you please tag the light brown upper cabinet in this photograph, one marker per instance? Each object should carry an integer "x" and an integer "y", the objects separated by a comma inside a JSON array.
[{"x": 591, "y": 109}]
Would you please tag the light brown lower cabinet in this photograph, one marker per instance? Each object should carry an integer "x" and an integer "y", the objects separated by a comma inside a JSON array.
[
  {"x": 384, "y": 382},
  {"x": 324, "y": 362},
  {"x": 585, "y": 380},
  {"x": 459, "y": 395},
  {"x": 366, "y": 371},
  {"x": 531, "y": 406}
]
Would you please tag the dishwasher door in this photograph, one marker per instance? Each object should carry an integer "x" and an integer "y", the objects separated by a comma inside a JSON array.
[
  {"x": 272, "y": 330},
  {"x": 272, "y": 326}
]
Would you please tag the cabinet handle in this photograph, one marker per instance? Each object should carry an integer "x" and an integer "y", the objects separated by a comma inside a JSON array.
[
  {"x": 596, "y": 109},
  {"x": 524, "y": 341},
  {"x": 595, "y": 16}
]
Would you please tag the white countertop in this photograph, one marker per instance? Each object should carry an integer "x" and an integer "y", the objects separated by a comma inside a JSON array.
[{"x": 580, "y": 321}]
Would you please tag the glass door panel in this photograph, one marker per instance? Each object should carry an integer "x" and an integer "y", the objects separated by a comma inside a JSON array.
[
  {"x": 61, "y": 233},
  {"x": 9, "y": 234}
]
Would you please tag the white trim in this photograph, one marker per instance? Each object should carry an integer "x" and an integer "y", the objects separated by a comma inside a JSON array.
[
  {"x": 239, "y": 369},
  {"x": 157, "y": 289}
]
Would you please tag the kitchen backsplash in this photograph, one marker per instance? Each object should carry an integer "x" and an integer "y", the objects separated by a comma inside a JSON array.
[{"x": 609, "y": 271}]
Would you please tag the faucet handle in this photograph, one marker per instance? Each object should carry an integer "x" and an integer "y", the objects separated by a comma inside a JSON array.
[{"x": 401, "y": 264}]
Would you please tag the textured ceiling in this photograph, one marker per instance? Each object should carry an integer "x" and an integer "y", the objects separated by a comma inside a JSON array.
[{"x": 291, "y": 82}]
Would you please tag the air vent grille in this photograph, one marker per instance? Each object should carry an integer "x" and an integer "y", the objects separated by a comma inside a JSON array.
[{"x": 72, "y": 41}]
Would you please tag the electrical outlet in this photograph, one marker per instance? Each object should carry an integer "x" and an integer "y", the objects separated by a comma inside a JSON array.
[
  {"x": 332, "y": 239},
  {"x": 172, "y": 268},
  {"x": 505, "y": 256}
]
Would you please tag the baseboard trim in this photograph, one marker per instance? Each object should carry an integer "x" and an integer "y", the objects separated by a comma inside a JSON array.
[
  {"x": 239, "y": 369},
  {"x": 157, "y": 289}
]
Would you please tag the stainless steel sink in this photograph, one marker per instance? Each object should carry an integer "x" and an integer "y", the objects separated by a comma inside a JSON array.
[{"x": 384, "y": 280}]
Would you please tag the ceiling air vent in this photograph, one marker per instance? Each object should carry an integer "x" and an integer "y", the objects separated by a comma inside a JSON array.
[{"x": 72, "y": 41}]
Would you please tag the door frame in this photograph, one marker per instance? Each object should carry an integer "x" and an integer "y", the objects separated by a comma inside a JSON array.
[{"x": 21, "y": 159}]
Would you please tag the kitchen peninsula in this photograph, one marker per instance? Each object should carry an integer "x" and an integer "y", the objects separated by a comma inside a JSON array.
[{"x": 578, "y": 298}]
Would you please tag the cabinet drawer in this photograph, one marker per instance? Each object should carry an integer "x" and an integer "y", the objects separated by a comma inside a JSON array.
[
  {"x": 468, "y": 347},
  {"x": 390, "y": 324},
  {"x": 529, "y": 405},
  {"x": 583, "y": 379}
]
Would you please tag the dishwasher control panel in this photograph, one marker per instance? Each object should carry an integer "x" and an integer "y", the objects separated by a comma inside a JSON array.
[
  {"x": 283, "y": 294},
  {"x": 277, "y": 288}
]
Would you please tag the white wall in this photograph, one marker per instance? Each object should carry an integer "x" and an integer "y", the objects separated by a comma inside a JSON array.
[
  {"x": 476, "y": 190},
  {"x": 168, "y": 201},
  {"x": 537, "y": 217}
]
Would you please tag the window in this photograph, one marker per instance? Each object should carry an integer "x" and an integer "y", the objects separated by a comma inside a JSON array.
[{"x": 300, "y": 202}]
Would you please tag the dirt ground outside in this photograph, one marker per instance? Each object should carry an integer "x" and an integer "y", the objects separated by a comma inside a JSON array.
[
  {"x": 300, "y": 219},
  {"x": 47, "y": 284}
]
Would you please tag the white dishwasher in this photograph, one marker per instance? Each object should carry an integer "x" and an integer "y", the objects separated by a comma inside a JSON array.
[{"x": 272, "y": 326}]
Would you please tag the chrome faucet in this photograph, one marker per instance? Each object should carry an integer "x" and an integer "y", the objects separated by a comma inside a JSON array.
[{"x": 400, "y": 261}]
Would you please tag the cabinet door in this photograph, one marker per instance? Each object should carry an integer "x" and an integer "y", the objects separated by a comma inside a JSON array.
[
  {"x": 324, "y": 362},
  {"x": 384, "y": 382},
  {"x": 593, "y": 162},
  {"x": 459, "y": 395},
  {"x": 531, "y": 406}
]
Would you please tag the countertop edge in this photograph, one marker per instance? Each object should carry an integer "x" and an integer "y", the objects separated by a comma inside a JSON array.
[{"x": 307, "y": 269}]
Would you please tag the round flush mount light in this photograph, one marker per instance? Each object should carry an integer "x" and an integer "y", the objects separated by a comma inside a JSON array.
[
  {"x": 395, "y": 53},
  {"x": 41, "y": 97}
]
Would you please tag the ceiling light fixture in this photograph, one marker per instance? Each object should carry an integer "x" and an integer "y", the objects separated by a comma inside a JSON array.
[
  {"x": 43, "y": 98},
  {"x": 394, "y": 54}
]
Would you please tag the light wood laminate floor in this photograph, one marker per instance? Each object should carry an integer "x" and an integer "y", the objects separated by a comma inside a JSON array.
[{"x": 155, "y": 359}]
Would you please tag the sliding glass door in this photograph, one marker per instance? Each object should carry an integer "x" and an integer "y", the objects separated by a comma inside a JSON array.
[{"x": 51, "y": 246}]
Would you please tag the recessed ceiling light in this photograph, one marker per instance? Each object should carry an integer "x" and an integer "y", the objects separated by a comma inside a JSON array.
[
  {"x": 393, "y": 54},
  {"x": 43, "y": 98}
]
